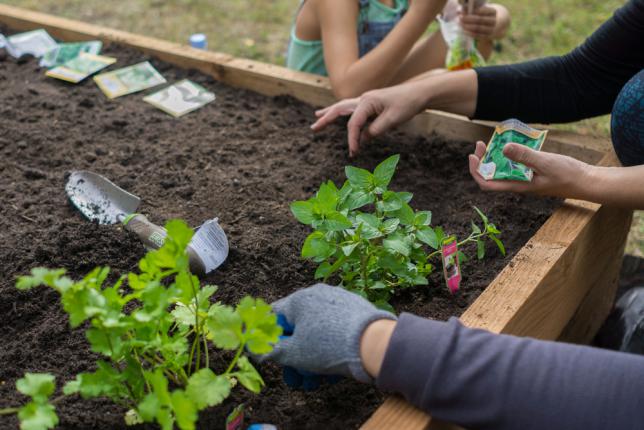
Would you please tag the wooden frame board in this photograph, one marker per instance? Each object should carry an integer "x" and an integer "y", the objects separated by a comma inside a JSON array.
[{"x": 560, "y": 285}]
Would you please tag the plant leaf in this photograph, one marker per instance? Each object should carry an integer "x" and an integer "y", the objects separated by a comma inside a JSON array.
[
  {"x": 37, "y": 416},
  {"x": 359, "y": 178},
  {"x": 398, "y": 243},
  {"x": 482, "y": 215},
  {"x": 185, "y": 411},
  {"x": 303, "y": 211},
  {"x": 38, "y": 386},
  {"x": 224, "y": 326},
  {"x": 248, "y": 376},
  {"x": 207, "y": 389},
  {"x": 428, "y": 236},
  {"x": 480, "y": 249},
  {"x": 385, "y": 171},
  {"x": 261, "y": 330},
  {"x": 498, "y": 243},
  {"x": 316, "y": 247}
]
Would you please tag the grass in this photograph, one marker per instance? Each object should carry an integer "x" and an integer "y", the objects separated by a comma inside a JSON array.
[{"x": 259, "y": 29}]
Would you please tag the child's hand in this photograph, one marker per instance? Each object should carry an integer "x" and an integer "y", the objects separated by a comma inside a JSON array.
[{"x": 481, "y": 23}]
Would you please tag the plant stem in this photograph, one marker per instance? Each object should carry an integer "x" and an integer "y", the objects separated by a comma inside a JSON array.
[
  {"x": 9, "y": 411},
  {"x": 471, "y": 238},
  {"x": 205, "y": 348},
  {"x": 231, "y": 366}
]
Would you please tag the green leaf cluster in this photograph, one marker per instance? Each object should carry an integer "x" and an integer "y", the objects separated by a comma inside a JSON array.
[
  {"x": 38, "y": 413},
  {"x": 371, "y": 238},
  {"x": 154, "y": 330}
]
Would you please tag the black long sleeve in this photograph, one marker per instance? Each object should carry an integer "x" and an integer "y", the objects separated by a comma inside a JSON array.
[
  {"x": 580, "y": 84},
  {"x": 480, "y": 380}
]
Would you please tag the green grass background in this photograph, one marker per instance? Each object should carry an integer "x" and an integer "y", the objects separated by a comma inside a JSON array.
[{"x": 259, "y": 29}]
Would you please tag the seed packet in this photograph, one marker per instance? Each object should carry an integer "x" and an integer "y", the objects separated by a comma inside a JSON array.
[
  {"x": 129, "y": 80},
  {"x": 461, "y": 49},
  {"x": 451, "y": 265},
  {"x": 77, "y": 69},
  {"x": 180, "y": 98},
  {"x": 67, "y": 51},
  {"x": 36, "y": 43},
  {"x": 496, "y": 166}
]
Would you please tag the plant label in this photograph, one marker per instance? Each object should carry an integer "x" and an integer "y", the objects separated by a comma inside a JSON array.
[
  {"x": 235, "y": 420},
  {"x": 451, "y": 266}
]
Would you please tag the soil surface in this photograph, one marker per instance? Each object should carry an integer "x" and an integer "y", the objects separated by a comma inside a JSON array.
[{"x": 243, "y": 158}]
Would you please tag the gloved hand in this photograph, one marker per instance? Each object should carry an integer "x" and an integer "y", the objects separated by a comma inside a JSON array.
[{"x": 327, "y": 326}]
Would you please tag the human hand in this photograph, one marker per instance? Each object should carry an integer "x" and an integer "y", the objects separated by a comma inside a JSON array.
[
  {"x": 390, "y": 106},
  {"x": 327, "y": 327},
  {"x": 554, "y": 174},
  {"x": 481, "y": 23}
]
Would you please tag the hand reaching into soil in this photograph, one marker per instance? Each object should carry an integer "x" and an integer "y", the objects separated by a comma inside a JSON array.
[{"x": 335, "y": 332}]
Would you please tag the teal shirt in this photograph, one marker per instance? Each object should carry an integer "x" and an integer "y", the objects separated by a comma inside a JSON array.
[{"x": 308, "y": 56}]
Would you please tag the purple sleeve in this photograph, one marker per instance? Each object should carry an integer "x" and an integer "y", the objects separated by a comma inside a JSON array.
[{"x": 481, "y": 380}]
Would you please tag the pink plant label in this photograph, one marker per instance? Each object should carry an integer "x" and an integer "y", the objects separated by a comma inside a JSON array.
[
  {"x": 451, "y": 266},
  {"x": 235, "y": 420}
]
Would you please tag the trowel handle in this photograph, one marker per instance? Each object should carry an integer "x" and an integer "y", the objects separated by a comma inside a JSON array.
[{"x": 153, "y": 236}]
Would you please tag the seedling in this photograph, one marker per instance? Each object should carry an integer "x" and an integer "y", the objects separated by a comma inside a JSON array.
[
  {"x": 372, "y": 239},
  {"x": 154, "y": 336}
]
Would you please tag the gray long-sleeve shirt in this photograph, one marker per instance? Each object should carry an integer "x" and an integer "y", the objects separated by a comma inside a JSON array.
[{"x": 481, "y": 380}]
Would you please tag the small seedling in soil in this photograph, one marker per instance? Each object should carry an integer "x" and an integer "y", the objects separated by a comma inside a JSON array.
[
  {"x": 371, "y": 237},
  {"x": 153, "y": 330}
]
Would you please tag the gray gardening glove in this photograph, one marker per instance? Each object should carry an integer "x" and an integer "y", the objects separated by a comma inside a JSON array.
[{"x": 326, "y": 324}]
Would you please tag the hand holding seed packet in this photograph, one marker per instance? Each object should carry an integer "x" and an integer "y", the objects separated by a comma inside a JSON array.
[
  {"x": 495, "y": 165},
  {"x": 129, "y": 80},
  {"x": 80, "y": 67},
  {"x": 180, "y": 98}
]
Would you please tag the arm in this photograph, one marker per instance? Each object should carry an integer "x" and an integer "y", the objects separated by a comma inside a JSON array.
[
  {"x": 478, "y": 379},
  {"x": 350, "y": 75},
  {"x": 562, "y": 176}
]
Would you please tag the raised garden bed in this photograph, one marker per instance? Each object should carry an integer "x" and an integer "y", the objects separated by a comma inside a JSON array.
[{"x": 244, "y": 158}]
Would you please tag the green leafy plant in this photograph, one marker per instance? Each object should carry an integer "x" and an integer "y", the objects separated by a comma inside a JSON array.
[
  {"x": 155, "y": 338},
  {"x": 371, "y": 238}
]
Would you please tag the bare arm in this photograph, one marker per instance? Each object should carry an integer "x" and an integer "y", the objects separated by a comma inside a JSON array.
[{"x": 350, "y": 75}]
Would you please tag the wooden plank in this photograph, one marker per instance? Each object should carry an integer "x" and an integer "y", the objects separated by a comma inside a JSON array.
[
  {"x": 525, "y": 299},
  {"x": 542, "y": 288}
]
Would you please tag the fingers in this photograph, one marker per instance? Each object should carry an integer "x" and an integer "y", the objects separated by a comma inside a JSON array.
[
  {"x": 329, "y": 114},
  {"x": 498, "y": 186},
  {"x": 481, "y": 23},
  {"x": 523, "y": 154},
  {"x": 279, "y": 354},
  {"x": 355, "y": 126}
]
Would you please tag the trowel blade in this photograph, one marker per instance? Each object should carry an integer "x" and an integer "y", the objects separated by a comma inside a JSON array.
[{"x": 98, "y": 199}]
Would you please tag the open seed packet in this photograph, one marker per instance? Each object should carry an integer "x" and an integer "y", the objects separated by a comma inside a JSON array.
[
  {"x": 496, "y": 166},
  {"x": 461, "y": 48}
]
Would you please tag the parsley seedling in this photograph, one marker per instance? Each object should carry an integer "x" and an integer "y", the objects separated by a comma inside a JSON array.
[
  {"x": 371, "y": 237},
  {"x": 154, "y": 339}
]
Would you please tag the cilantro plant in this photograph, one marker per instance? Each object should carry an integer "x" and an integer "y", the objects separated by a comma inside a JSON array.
[
  {"x": 155, "y": 337},
  {"x": 371, "y": 237}
]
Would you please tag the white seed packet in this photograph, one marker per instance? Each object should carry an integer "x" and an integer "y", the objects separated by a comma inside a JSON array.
[
  {"x": 180, "y": 98},
  {"x": 36, "y": 43},
  {"x": 211, "y": 244}
]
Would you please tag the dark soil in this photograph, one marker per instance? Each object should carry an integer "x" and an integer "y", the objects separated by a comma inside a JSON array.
[{"x": 243, "y": 158}]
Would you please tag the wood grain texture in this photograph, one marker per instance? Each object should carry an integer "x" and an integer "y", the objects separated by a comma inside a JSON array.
[{"x": 540, "y": 290}]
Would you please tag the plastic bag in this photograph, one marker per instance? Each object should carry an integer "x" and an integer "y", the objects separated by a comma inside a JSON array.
[{"x": 461, "y": 49}]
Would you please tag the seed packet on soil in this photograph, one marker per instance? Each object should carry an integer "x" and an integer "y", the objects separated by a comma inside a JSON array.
[
  {"x": 77, "y": 69},
  {"x": 129, "y": 80},
  {"x": 36, "y": 43},
  {"x": 496, "y": 166},
  {"x": 65, "y": 52},
  {"x": 180, "y": 98}
]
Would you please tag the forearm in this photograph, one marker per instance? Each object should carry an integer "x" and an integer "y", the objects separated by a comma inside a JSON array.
[
  {"x": 381, "y": 64},
  {"x": 478, "y": 379},
  {"x": 615, "y": 186},
  {"x": 454, "y": 92}
]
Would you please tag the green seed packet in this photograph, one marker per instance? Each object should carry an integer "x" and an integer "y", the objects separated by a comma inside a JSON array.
[
  {"x": 65, "y": 52},
  {"x": 496, "y": 166},
  {"x": 78, "y": 68},
  {"x": 129, "y": 80}
]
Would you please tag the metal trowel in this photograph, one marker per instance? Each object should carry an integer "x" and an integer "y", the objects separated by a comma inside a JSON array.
[{"x": 100, "y": 200}]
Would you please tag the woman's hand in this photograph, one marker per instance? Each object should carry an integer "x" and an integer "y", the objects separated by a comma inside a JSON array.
[
  {"x": 390, "y": 107},
  {"x": 554, "y": 175}
]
